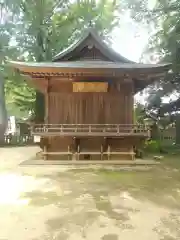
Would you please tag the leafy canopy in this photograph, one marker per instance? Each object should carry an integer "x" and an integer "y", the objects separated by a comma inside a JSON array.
[{"x": 40, "y": 29}]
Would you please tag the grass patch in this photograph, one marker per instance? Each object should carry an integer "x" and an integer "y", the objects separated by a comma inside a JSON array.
[{"x": 160, "y": 185}]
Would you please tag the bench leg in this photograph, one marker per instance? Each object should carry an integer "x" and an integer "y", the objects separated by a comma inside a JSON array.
[
  {"x": 45, "y": 151},
  {"x": 74, "y": 156},
  {"x": 109, "y": 152},
  {"x": 132, "y": 156}
]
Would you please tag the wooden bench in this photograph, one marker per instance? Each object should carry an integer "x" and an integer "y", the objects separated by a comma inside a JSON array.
[
  {"x": 83, "y": 152},
  {"x": 68, "y": 153},
  {"x": 77, "y": 154},
  {"x": 109, "y": 153}
]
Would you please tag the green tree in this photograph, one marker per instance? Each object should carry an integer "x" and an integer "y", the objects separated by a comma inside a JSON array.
[
  {"x": 6, "y": 27},
  {"x": 164, "y": 19},
  {"x": 44, "y": 27},
  {"x": 164, "y": 43},
  {"x": 139, "y": 113}
]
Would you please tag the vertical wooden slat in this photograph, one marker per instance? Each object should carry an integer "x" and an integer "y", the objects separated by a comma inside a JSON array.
[{"x": 92, "y": 108}]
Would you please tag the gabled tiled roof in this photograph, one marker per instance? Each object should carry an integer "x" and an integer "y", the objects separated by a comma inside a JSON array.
[
  {"x": 98, "y": 64},
  {"x": 99, "y": 44}
]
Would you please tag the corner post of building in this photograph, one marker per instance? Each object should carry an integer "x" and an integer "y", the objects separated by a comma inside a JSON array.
[
  {"x": 132, "y": 115},
  {"x": 47, "y": 101},
  {"x": 46, "y": 116}
]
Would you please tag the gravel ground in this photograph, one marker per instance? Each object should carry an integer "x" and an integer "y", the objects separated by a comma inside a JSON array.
[{"x": 46, "y": 202}]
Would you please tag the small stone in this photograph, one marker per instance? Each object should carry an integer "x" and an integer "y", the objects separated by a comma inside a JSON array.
[{"x": 158, "y": 157}]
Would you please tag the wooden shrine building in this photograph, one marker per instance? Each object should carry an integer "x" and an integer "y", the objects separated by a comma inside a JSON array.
[{"x": 89, "y": 91}]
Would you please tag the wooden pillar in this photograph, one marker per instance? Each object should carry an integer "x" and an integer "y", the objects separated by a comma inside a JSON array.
[
  {"x": 129, "y": 99},
  {"x": 177, "y": 129},
  {"x": 45, "y": 152},
  {"x": 46, "y": 120},
  {"x": 132, "y": 101},
  {"x": 74, "y": 149},
  {"x": 47, "y": 101}
]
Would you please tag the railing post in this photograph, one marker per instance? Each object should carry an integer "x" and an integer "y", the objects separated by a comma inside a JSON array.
[
  {"x": 31, "y": 128},
  {"x": 118, "y": 128},
  {"x": 68, "y": 152},
  {"x": 78, "y": 152},
  {"x": 109, "y": 152},
  {"x": 61, "y": 128},
  {"x": 145, "y": 128},
  {"x": 135, "y": 129},
  {"x": 90, "y": 129}
]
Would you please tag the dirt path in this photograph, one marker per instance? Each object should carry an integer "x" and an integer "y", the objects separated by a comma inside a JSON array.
[{"x": 46, "y": 203}]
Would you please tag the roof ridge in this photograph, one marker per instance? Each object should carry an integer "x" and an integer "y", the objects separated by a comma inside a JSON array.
[{"x": 109, "y": 51}]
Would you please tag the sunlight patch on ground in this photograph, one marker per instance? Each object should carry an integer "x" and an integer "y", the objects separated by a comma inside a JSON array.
[{"x": 12, "y": 186}]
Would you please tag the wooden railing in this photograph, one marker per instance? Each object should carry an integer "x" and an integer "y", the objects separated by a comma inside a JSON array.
[{"x": 89, "y": 129}]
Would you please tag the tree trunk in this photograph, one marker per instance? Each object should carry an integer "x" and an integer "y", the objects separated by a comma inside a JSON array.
[
  {"x": 39, "y": 108},
  {"x": 40, "y": 102},
  {"x": 177, "y": 122},
  {"x": 3, "y": 112},
  {"x": 154, "y": 132}
]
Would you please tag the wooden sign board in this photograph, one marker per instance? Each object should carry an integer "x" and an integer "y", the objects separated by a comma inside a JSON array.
[{"x": 90, "y": 86}]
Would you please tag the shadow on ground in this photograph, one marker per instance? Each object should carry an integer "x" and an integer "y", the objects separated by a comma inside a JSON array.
[{"x": 98, "y": 198}]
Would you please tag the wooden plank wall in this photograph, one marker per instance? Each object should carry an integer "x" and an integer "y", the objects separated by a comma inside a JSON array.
[{"x": 114, "y": 107}]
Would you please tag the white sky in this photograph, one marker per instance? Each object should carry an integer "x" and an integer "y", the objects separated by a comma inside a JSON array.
[
  {"x": 130, "y": 44},
  {"x": 130, "y": 39}
]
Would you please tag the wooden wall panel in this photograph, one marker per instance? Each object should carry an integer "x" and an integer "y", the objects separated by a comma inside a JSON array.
[
  {"x": 89, "y": 108},
  {"x": 114, "y": 107},
  {"x": 58, "y": 144},
  {"x": 39, "y": 84},
  {"x": 121, "y": 144},
  {"x": 60, "y": 85},
  {"x": 91, "y": 144}
]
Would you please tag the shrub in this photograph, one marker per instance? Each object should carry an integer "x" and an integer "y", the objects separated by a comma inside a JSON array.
[{"x": 153, "y": 146}]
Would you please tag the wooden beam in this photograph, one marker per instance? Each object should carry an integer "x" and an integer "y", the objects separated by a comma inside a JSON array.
[
  {"x": 144, "y": 74},
  {"x": 47, "y": 101}
]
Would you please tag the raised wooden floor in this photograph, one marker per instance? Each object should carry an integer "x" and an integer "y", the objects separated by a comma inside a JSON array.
[{"x": 94, "y": 162}]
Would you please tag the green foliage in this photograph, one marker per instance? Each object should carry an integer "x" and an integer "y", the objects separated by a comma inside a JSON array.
[
  {"x": 163, "y": 21},
  {"x": 40, "y": 29},
  {"x": 46, "y": 27},
  {"x": 159, "y": 146},
  {"x": 139, "y": 114},
  {"x": 152, "y": 146},
  {"x": 5, "y": 51}
]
